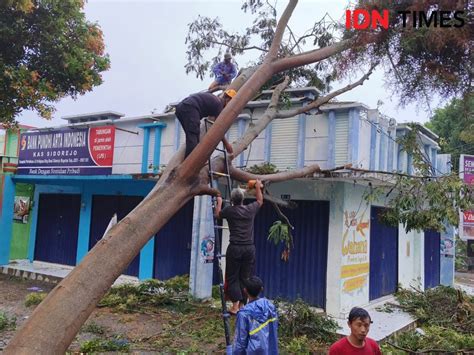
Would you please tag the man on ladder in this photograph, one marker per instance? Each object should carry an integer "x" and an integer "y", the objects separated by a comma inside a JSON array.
[
  {"x": 240, "y": 254},
  {"x": 192, "y": 109}
]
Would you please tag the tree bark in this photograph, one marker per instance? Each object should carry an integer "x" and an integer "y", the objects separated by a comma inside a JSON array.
[{"x": 241, "y": 175}]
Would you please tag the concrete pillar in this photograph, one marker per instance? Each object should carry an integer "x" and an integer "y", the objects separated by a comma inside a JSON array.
[
  {"x": 84, "y": 225},
  {"x": 446, "y": 272},
  {"x": 146, "y": 260},
  {"x": 335, "y": 233},
  {"x": 201, "y": 268}
]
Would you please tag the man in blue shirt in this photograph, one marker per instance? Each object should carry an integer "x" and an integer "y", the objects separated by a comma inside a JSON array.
[
  {"x": 256, "y": 327},
  {"x": 224, "y": 72}
]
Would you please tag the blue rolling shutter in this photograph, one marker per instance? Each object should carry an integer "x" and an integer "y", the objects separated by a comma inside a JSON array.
[
  {"x": 304, "y": 275},
  {"x": 383, "y": 257},
  {"x": 57, "y": 229}
]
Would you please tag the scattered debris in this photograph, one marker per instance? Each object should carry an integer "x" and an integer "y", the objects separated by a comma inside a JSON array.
[
  {"x": 301, "y": 328},
  {"x": 148, "y": 295},
  {"x": 446, "y": 319},
  {"x": 35, "y": 289}
]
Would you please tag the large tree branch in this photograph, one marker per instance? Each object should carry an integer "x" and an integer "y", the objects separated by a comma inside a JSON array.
[
  {"x": 254, "y": 129},
  {"x": 322, "y": 100},
  {"x": 280, "y": 30},
  {"x": 178, "y": 157},
  {"x": 245, "y": 176},
  {"x": 313, "y": 56},
  {"x": 394, "y": 173}
]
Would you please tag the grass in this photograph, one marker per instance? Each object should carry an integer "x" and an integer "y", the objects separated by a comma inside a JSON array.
[
  {"x": 193, "y": 326},
  {"x": 94, "y": 328},
  {"x": 34, "y": 298},
  {"x": 99, "y": 345},
  {"x": 7, "y": 322}
]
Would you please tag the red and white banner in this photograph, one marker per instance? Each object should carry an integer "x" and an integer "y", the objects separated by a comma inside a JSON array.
[{"x": 466, "y": 172}]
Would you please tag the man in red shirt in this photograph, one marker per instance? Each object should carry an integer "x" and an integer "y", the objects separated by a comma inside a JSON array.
[{"x": 358, "y": 342}]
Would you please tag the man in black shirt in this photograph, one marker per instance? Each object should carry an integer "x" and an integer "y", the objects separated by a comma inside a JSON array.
[
  {"x": 240, "y": 254},
  {"x": 192, "y": 109}
]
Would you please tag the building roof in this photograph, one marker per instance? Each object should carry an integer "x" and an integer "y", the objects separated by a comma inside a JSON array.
[
  {"x": 93, "y": 116},
  {"x": 21, "y": 126},
  {"x": 297, "y": 95},
  {"x": 427, "y": 136},
  {"x": 343, "y": 105},
  {"x": 308, "y": 89}
]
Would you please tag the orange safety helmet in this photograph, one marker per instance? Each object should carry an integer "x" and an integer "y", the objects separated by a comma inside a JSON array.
[{"x": 230, "y": 92}]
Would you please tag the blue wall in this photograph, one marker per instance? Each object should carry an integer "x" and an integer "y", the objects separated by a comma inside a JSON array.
[{"x": 6, "y": 217}]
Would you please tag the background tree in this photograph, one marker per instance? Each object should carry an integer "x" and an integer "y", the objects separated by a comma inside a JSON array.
[
  {"x": 419, "y": 62},
  {"x": 55, "y": 322},
  {"x": 47, "y": 51},
  {"x": 454, "y": 124}
]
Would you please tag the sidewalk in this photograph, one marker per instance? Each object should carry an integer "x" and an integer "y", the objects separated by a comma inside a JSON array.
[
  {"x": 465, "y": 282},
  {"x": 48, "y": 272}
]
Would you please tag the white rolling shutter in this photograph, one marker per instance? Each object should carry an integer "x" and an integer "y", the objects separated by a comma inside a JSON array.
[
  {"x": 342, "y": 139},
  {"x": 284, "y": 143},
  {"x": 233, "y": 133},
  {"x": 182, "y": 136}
]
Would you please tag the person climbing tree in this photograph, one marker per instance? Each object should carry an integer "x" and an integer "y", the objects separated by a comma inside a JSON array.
[
  {"x": 224, "y": 72},
  {"x": 192, "y": 109}
]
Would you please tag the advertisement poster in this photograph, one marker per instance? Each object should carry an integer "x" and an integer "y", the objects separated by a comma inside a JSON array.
[
  {"x": 466, "y": 171},
  {"x": 21, "y": 209},
  {"x": 447, "y": 246},
  {"x": 67, "y": 151},
  {"x": 207, "y": 249},
  {"x": 355, "y": 253}
]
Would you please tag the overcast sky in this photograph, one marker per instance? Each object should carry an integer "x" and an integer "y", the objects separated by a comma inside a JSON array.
[{"x": 145, "y": 41}]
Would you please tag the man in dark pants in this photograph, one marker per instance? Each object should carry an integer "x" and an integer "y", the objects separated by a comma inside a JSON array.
[
  {"x": 240, "y": 254},
  {"x": 192, "y": 109}
]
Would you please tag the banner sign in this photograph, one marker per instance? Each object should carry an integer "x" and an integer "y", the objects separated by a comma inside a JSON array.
[
  {"x": 466, "y": 168},
  {"x": 67, "y": 151}
]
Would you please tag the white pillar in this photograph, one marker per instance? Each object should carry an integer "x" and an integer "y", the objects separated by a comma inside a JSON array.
[{"x": 201, "y": 268}]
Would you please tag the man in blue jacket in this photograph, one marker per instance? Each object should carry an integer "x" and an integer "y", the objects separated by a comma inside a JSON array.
[
  {"x": 224, "y": 72},
  {"x": 256, "y": 327}
]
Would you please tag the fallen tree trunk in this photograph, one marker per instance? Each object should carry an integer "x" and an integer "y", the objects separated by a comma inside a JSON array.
[{"x": 56, "y": 321}]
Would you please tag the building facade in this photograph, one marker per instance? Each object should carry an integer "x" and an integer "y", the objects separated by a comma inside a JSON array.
[{"x": 343, "y": 255}]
